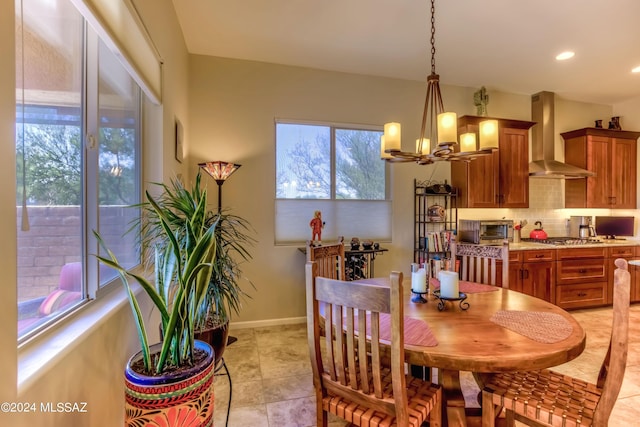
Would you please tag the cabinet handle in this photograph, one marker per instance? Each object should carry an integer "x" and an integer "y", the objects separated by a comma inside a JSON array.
[
  {"x": 526, "y": 275},
  {"x": 582, "y": 270},
  {"x": 540, "y": 256},
  {"x": 582, "y": 294}
]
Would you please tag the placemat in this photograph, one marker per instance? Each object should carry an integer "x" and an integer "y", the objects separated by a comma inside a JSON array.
[
  {"x": 466, "y": 287},
  {"x": 416, "y": 331},
  {"x": 543, "y": 327}
]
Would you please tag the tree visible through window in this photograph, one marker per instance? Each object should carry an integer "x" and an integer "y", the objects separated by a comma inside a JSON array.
[{"x": 307, "y": 155}]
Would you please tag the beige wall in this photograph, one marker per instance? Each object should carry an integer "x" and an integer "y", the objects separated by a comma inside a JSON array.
[{"x": 91, "y": 368}]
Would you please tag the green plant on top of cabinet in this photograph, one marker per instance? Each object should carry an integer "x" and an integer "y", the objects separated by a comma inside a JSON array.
[
  {"x": 500, "y": 179},
  {"x": 611, "y": 154}
]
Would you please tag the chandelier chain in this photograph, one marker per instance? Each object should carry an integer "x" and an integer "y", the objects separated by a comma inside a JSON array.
[{"x": 433, "y": 37}]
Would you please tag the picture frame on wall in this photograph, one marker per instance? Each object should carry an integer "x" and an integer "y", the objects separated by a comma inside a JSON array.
[{"x": 179, "y": 137}]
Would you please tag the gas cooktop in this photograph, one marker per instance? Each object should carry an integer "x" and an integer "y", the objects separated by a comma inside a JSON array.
[{"x": 562, "y": 241}]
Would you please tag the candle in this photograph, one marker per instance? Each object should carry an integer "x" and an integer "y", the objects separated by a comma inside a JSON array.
[
  {"x": 419, "y": 281},
  {"x": 449, "y": 284}
]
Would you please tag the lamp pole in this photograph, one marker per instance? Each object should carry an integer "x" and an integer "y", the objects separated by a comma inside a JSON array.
[{"x": 220, "y": 182}]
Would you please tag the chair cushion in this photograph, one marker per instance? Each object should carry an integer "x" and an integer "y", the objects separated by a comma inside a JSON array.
[
  {"x": 421, "y": 395},
  {"x": 57, "y": 300},
  {"x": 545, "y": 396}
]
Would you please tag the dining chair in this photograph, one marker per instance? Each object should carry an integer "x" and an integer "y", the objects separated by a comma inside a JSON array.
[
  {"x": 479, "y": 263},
  {"x": 330, "y": 259},
  {"x": 543, "y": 398},
  {"x": 349, "y": 377}
]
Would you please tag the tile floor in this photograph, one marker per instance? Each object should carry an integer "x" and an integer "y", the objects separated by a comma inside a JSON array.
[{"x": 272, "y": 384}]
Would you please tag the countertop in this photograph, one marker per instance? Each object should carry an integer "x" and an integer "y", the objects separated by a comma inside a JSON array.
[{"x": 524, "y": 246}]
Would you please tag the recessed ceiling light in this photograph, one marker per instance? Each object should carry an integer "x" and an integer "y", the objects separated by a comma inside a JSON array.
[
  {"x": 565, "y": 55},
  {"x": 636, "y": 70}
]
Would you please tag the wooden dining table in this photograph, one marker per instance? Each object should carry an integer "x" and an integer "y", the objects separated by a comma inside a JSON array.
[{"x": 501, "y": 330}]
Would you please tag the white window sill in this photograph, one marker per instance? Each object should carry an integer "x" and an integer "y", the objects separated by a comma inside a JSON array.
[{"x": 39, "y": 354}]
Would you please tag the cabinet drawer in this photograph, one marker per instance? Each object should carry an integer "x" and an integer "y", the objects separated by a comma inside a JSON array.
[
  {"x": 515, "y": 256},
  {"x": 539, "y": 255},
  {"x": 582, "y": 253},
  {"x": 581, "y": 295},
  {"x": 622, "y": 252},
  {"x": 581, "y": 270}
]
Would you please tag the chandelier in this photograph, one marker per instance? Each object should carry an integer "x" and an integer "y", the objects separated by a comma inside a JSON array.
[{"x": 442, "y": 127}]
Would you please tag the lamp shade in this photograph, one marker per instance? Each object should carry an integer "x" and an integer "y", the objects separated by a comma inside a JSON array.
[
  {"x": 468, "y": 142},
  {"x": 392, "y": 136},
  {"x": 219, "y": 170},
  {"x": 383, "y": 154},
  {"x": 488, "y": 134},
  {"x": 447, "y": 128}
]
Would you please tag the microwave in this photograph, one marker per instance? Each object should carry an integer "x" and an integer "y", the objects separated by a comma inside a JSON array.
[{"x": 485, "y": 231}]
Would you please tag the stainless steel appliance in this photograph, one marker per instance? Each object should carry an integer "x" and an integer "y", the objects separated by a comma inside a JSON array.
[
  {"x": 485, "y": 231},
  {"x": 581, "y": 227}
]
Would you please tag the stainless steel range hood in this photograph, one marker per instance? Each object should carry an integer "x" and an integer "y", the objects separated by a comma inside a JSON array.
[{"x": 544, "y": 164}]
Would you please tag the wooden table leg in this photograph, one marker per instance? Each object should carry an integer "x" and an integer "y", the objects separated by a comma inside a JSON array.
[{"x": 453, "y": 398}]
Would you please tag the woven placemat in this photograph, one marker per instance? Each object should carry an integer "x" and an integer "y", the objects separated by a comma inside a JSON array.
[
  {"x": 416, "y": 331},
  {"x": 542, "y": 327},
  {"x": 466, "y": 287}
]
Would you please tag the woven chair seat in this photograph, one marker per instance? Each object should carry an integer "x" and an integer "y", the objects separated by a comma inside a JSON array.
[
  {"x": 422, "y": 396},
  {"x": 546, "y": 396}
]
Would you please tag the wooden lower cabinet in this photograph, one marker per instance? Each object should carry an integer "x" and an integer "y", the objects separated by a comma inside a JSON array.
[
  {"x": 532, "y": 272},
  {"x": 582, "y": 277},
  {"x": 571, "y": 278}
]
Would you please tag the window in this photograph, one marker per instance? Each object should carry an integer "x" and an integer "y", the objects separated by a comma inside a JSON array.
[
  {"x": 77, "y": 151},
  {"x": 334, "y": 169}
]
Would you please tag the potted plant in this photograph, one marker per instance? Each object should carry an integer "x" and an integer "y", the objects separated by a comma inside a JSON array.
[
  {"x": 171, "y": 383},
  {"x": 232, "y": 235}
]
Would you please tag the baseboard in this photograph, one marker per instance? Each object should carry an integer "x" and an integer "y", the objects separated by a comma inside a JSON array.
[{"x": 269, "y": 322}]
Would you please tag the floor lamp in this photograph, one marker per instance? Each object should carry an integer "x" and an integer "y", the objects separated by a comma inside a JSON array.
[{"x": 219, "y": 171}]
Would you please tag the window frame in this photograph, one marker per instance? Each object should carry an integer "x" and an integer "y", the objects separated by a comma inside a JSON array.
[
  {"x": 332, "y": 203},
  {"x": 90, "y": 206}
]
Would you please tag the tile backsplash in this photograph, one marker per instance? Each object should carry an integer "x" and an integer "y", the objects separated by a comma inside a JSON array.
[{"x": 546, "y": 204}]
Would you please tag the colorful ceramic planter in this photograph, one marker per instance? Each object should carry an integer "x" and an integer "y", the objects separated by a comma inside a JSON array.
[{"x": 183, "y": 399}]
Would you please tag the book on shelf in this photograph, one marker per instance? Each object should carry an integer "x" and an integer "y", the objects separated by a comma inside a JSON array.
[{"x": 439, "y": 241}]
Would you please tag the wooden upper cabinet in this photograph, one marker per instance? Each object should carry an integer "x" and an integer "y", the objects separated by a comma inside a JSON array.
[
  {"x": 500, "y": 179},
  {"x": 612, "y": 156}
]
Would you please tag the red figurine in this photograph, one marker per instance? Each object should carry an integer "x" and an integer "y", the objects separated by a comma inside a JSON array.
[{"x": 316, "y": 225}]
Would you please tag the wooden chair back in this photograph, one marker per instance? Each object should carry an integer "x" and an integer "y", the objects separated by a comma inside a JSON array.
[
  {"x": 545, "y": 397},
  {"x": 353, "y": 367},
  {"x": 330, "y": 259},
  {"x": 479, "y": 263},
  {"x": 614, "y": 363}
]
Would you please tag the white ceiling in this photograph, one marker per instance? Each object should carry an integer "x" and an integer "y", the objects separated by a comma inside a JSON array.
[{"x": 506, "y": 45}]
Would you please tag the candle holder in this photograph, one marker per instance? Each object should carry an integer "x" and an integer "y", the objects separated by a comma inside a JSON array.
[
  {"x": 417, "y": 297},
  {"x": 464, "y": 305}
]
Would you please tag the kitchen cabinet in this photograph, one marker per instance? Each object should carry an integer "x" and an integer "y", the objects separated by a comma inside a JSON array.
[
  {"x": 532, "y": 272},
  {"x": 611, "y": 155},
  {"x": 628, "y": 253},
  {"x": 500, "y": 179},
  {"x": 582, "y": 276}
]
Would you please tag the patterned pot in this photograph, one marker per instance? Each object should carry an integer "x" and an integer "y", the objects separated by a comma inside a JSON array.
[{"x": 182, "y": 399}]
